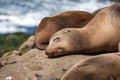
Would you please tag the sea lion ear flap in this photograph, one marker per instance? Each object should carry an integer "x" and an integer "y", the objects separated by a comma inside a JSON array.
[
  {"x": 119, "y": 47},
  {"x": 118, "y": 53}
]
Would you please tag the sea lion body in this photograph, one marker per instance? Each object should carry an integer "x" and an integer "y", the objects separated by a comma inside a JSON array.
[
  {"x": 102, "y": 67},
  {"x": 101, "y": 34},
  {"x": 50, "y": 25}
]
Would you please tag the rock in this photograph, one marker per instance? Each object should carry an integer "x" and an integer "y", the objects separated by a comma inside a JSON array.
[
  {"x": 27, "y": 45},
  {"x": 16, "y": 72},
  {"x": 35, "y": 65},
  {"x": 9, "y": 58},
  {"x": 48, "y": 68}
]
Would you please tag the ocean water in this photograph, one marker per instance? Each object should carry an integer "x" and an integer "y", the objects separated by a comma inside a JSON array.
[{"x": 24, "y": 15}]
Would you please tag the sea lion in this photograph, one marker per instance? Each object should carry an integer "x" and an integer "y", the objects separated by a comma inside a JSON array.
[
  {"x": 102, "y": 67},
  {"x": 50, "y": 25},
  {"x": 101, "y": 34}
]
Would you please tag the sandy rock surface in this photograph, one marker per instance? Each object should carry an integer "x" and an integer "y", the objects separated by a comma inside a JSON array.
[{"x": 35, "y": 65}]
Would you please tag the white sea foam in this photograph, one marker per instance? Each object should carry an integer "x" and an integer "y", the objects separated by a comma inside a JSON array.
[{"x": 25, "y": 16}]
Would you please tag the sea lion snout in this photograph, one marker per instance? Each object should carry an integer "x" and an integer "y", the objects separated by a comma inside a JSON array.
[
  {"x": 49, "y": 51},
  {"x": 53, "y": 51}
]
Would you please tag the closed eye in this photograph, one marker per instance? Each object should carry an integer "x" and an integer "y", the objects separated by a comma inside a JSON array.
[{"x": 56, "y": 39}]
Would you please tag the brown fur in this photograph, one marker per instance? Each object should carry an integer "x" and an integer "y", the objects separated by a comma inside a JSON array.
[
  {"x": 102, "y": 67},
  {"x": 101, "y": 34},
  {"x": 50, "y": 25}
]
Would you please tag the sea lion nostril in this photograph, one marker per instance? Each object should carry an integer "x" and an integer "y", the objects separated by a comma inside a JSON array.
[
  {"x": 67, "y": 31},
  {"x": 60, "y": 49}
]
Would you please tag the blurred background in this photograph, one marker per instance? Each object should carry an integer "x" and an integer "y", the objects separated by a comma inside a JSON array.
[{"x": 19, "y": 18}]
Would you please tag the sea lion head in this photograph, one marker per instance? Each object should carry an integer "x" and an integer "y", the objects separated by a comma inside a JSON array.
[{"x": 63, "y": 42}]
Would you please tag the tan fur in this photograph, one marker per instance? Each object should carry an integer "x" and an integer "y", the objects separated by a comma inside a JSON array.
[
  {"x": 102, "y": 67},
  {"x": 101, "y": 34},
  {"x": 50, "y": 25},
  {"x": 98, "y": 10}
]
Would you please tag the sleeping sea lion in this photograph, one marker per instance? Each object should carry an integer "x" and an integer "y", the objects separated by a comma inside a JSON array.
[
  {"x": 101, "y": 34},
  {"x": 102, "y": 67}
]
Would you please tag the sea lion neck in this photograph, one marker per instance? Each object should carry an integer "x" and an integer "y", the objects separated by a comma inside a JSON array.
[
  {"x": 103, "y": 18},
  {"x": 84, "y": 39}
]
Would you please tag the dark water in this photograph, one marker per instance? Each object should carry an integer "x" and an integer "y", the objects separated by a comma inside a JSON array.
[{"x": 24, "y": 15}]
